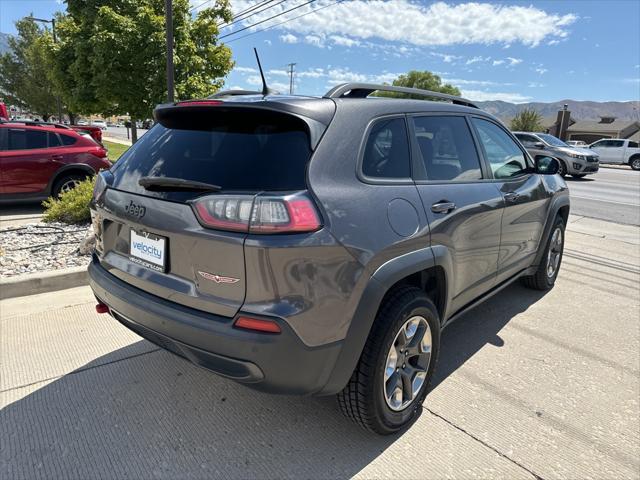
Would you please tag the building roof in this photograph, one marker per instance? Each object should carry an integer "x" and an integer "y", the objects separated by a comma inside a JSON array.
[{"x": 596, "y": 126}]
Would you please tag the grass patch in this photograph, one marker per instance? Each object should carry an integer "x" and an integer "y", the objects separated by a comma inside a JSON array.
[{"x": 115, "y": 150}]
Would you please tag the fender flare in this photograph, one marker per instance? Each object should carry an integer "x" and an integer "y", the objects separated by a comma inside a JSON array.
[
  {"x": 388, "y": 274},
  {"x": 557, "y": 203}
]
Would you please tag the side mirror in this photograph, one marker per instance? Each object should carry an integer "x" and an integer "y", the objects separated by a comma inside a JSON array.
[
  {"x": 547, "y": 165},
  {"x": 539, "y": 145}
]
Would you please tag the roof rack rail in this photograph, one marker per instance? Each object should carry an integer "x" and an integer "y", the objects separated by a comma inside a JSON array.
[
  {"x": 363, "y": 90},
  {"x": 234, "y": 93}
]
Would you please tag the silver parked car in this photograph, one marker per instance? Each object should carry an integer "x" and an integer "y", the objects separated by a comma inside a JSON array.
[{"x": 577, "y": 162}]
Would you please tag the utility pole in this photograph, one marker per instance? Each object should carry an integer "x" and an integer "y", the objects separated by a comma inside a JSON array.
[
  {"x": 291, "y": 71},
  {"x": 55, "y": 40},
  {"x": 168, "y": 12}
]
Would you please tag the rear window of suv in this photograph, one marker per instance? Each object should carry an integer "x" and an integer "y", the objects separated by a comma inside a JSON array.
[{"x": 247, "y": 151}]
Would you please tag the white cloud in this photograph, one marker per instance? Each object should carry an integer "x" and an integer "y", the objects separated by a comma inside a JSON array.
[
  {"x": 268, "y": 42},
  {"x": 406, "y": 21},
  {"x": 541, "y": 70},
  {"x": 245, "y": 70},
  {"x": 446, "y": 58},
  {"x": 288, "y": 38},
  {"x": 536, "y": 85},
  {"x": 497, "y": 62},
  {"x": 278, "y": 73},
  {"x": 514, "y": 61},
  {"x": 553, "y": 42},
  {"x": 344, "y": 41},
  {"x": 483, "y": 96},
  {"x": 477, "y": 59},
  {"x": 314, "y": 40}
]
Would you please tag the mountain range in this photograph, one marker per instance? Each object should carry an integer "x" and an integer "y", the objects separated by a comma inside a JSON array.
[{"x": 580, "y": 110}]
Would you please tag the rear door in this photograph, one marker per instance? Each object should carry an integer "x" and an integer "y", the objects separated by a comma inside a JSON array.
[
  {"x": 28, "y": 163},
  {"x": 526, "y": 198},
  {"x": 153, "y": 239},
  {"x": 464, "y": 209}
]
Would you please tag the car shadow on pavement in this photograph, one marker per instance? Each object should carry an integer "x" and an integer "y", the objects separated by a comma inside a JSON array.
[
  {"x": 479, "y": 327},
  {"x": 152, "y": 414}
]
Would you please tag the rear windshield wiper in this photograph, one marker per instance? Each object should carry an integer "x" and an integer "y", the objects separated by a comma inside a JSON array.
[{"x": 170, "y": 184}]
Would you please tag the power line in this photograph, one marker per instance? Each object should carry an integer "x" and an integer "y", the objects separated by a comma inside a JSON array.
[
  {"x": 285, "y": 21},
  {"x": 237, "y": 17},
  {"x": 266, "y": 19},
  {"x": 197, "y": 7}
]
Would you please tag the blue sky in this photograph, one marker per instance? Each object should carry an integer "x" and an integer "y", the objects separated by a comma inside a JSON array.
[{"x": 513, "y": 50}]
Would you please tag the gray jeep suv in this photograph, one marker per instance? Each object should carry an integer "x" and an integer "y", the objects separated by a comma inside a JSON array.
[{"x": 319, "y": 246}]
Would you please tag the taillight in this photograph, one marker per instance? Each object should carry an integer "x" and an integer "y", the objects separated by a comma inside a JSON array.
[{"x": 258, "y": 214}]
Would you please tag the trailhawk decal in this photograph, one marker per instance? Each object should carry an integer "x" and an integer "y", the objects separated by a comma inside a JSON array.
[{"x": 218, "y": 278}]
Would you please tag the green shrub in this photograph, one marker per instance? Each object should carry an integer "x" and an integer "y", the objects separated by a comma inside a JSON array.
[{"x": 72, "y": 206}]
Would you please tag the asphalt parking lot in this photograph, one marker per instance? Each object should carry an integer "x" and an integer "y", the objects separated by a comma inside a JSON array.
[{"x": 529, "y": 385}]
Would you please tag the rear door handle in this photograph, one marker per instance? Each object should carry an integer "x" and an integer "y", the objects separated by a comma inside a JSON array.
[
  {"x": 443, "y": 207},
  {"x": 57, "y": 157},
  {"x": 511, "y": 197}
]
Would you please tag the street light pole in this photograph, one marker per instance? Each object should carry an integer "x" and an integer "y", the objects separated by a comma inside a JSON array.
[
  {"x": 168, "y": 12},
  {"x": 55, "y": 40}
]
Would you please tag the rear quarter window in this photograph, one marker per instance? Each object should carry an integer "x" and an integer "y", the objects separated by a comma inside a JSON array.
[{"x": 386, "y": 153}]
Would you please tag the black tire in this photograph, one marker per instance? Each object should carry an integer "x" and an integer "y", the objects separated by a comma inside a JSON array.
[
  {"x": 578, "y": 175},
  {"x": 634, "y": 162},
  {"x": 562, "y": 168},
  {"x": 64, "y": 182},
  {"x": 363, "y": 400},
  {"x": 543, "y": 279}
]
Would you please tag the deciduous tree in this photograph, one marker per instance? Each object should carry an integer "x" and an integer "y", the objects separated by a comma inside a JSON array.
[
  {"x": 423, "y": 80},
  {"x": 527, "y": 120}
]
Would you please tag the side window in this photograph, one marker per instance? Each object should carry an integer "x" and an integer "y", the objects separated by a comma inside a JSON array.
[
  {"x": 602, "y": 144},
  {"x": 386, "y": 154},
  {"x": 526, "y": 139},
  {"x": 633, "y": 145},
  {"x": 17, "y": 139},
  {"x": 617, "y": 143},
  {"x": 67, "y": 139},
  {"x": 54, "y": 141},
  {"x": 446, "y": 146},
  {"x": 503, "y": 154},
  {"x": 36, "y": 139}
]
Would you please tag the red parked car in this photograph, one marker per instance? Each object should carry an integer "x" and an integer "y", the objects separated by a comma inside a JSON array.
[{"x": 38, "y": 161}]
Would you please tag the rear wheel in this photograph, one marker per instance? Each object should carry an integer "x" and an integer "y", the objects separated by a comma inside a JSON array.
[
  {"x": 547, "y": 272},
  {"x": 66, "y": 183},
  {"x": 635, "y": 163},
  {"x": 391, "y": 379}
]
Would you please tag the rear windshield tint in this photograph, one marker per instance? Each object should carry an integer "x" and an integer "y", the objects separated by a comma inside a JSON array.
[{"x": 240, "y": 152}]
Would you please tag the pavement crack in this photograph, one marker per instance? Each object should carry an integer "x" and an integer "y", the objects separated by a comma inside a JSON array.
[
  {"x": 81, "y": 369},
  {"x": 479, "y": 440}
]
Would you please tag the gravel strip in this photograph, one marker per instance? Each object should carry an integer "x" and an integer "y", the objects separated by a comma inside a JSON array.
[{"x": 41, "y": 247}]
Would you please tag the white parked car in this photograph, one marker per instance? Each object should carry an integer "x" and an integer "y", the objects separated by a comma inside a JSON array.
[
  {"x": 618, "y": 150},
  {"x": 100, "y": 123},
  {"x": 577, "y": 143}
]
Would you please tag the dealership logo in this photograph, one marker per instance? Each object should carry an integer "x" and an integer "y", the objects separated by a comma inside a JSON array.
[
  {"x": 134, "y": 210},
  {"x": 218, "y": 278}
]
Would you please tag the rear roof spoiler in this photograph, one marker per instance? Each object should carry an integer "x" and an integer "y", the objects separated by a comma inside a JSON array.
[{"x": 363, "y": 90}]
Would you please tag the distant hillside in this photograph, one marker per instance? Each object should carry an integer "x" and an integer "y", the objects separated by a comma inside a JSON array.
[
  {"x": 4, "y": 42},
  {"x": 579, "y": 110}
]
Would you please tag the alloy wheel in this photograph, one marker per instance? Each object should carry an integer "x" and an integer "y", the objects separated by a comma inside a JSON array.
[
  {"x": 68, "y": 185},
  {"x": 407, "y": 363},
  {"x": 555, "y": 252}
]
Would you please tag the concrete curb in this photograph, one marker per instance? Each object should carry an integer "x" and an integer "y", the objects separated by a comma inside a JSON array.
[{"x": 33, "y": 283}]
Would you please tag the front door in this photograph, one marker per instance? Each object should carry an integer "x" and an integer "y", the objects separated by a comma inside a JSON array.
[
  {"x": 610, "y": 151},
  {"x": 463, "y": 208},
  {"x": 526, "y": 198}
]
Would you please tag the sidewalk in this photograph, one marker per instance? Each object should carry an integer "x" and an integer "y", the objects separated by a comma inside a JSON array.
[{"x": 529, "y": 385}]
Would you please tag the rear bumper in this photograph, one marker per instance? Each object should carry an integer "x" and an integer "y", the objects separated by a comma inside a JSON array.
[{"x": 279, "y": 363}]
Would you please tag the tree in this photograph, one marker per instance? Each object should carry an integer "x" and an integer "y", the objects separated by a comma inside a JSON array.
[
  {"x": 112, "y": 54},
  {"x": 424, "y": 80},
  {"x": 527, "y": 120},
  {"x": 24, "y": 79}
]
